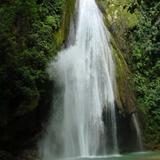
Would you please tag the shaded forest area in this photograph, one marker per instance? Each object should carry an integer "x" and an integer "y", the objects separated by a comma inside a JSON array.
[
  {"x": 31, "y": 33},
  {"x": 145, "y": 66}
]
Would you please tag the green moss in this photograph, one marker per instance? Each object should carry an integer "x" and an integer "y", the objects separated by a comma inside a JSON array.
[
  {"x": 124, "y": 92},
  {"x": 69, "y": 11},
  {"x": 116, "y": 19},
  {"x": 117, "y": 11},
  {"x": 62, "y": 34}
]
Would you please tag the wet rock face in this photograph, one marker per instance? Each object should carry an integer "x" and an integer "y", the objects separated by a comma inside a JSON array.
[{"x": 127, "y": 136}]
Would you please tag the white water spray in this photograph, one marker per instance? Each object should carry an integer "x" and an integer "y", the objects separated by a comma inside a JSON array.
[{"x": 87, "y": 72}]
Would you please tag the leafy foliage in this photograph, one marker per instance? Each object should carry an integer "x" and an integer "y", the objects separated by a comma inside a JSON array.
[
  {"x": 146, "y": 66},
  {"x": 27, "y": 43}
]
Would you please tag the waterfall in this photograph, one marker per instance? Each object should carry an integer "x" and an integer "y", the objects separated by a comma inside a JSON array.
[
  {"x": 86, "y": 72},
  {"x": 138, "y": 131}
]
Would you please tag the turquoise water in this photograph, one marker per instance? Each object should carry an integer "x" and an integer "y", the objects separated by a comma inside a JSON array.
[{"x": 130, "y": 156}]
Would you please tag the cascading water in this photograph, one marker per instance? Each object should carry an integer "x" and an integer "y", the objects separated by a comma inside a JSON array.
[
  {"x": 138, "y": 131},
  {"x": 87, "y": 72}
]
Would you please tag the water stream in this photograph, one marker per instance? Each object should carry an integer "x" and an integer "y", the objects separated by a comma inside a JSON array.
[
  {"x": 86, "y": 72},
  {"x": 138, "y": 131}
]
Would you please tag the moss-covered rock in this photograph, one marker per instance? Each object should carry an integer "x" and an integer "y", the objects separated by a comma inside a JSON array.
[
  {"x": 124, "y": 94},
  {"x": 125, "y": 98},
  {"x": 62, "y": 34}
]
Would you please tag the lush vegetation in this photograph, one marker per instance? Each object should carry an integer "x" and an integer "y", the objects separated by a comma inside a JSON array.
[
  {"x": 135, "y": 25},
  {"x": 145, "y": 64},
  {"x": 28, "y": 42},
  {"x": 31, "y": 35}
]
